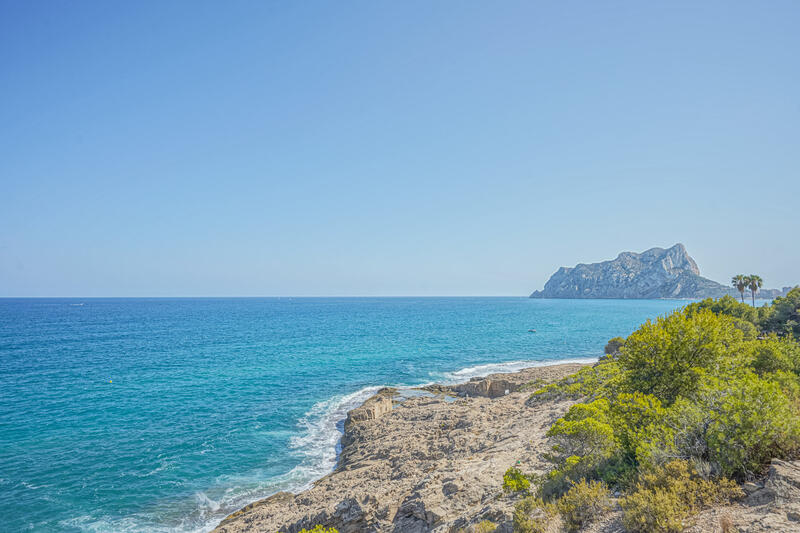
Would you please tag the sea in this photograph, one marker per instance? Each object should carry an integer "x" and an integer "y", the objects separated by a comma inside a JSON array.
[{"x": 165, "y": 415}]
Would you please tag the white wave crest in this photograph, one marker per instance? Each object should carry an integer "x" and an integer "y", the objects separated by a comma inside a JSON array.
[
  {"x": 322, "y": 429},
  {"x": 504, "y": 368}
]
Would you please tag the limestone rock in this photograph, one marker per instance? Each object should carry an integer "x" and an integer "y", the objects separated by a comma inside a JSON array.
[
  {"x": 656, "y": 273},
  {"x": 373, "y": 408},
  {"x": 773, "y": 506},
  {"x": 427, "y": 464}
]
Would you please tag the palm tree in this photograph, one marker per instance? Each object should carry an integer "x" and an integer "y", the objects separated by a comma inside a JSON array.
[
  {"x": 754, "y": 282},
  {"x": 740, "y": 282}
]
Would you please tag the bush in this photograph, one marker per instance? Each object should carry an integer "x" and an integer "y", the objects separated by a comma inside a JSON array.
[
  {"x": 484, "y": 526},
  {"x": 613, "y": 346},
  {"x": 515, "y": 481},
  {"x": 665, "y": 497},
  {"x": 753, "y": 423},
  {"x": 730, "y": 306},
  {"x": 774, "y": 354},
  {"x": 633, "y": 417},
  {"x": 668, "y": 357},
  {"x": 584, "y": 442},
  {"x": 591, "y": 382},
  {"x": 789, "y": 383},
  {"x": 319, "y": 529},
  {"x": 785, "y": 316},
  {"x": 734, "y": 425},
  {"x": 532, "y": 515},
  {"x": 583, "y": 502}
]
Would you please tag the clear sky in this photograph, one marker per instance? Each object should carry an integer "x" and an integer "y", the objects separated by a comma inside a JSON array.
[{"x": 391, "y": 148}]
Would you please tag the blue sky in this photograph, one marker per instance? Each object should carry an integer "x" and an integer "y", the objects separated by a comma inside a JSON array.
[{"x": 376, "y": 148}]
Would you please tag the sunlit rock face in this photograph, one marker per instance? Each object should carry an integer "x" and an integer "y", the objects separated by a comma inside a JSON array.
[{"x": 656, "y": 273}]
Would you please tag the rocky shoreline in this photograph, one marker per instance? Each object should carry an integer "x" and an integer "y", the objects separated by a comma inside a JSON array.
[
  {"x": 429, "y": 462},
  {"x": 433, "y": 461}
]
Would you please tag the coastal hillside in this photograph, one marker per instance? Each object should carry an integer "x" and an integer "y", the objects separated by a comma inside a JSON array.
[{"x": 656, "y": 273}]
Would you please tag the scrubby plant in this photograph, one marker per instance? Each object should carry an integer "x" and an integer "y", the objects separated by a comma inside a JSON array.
[
  {"x": 753, "y": 423},
  {"x": 515, "y": 481},
  {"x": 734, "y": 425},
  {"x": 584, "y": 442},
  {"x": 784, "y": 318},
  {"x": 582, "y": 503},
  {"x": 666, "y": 497},
  {"x": 532, "y": 515},
  {"x": 773, "y": 354},
  {"x": 729, "y": 306},
  {"x": 634, "y": 417},
  {"x": 613, "y": 346},
  {"x": 669, "y": 357},
  {"x": 690, "y": 401},
  {"x": 319, "y": 529},
  {"x": 590, "y": 382},
  {"x": 484, "y": 526}
]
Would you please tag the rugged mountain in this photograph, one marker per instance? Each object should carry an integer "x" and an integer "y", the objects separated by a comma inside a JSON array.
[{"x": 656, "y": 273}]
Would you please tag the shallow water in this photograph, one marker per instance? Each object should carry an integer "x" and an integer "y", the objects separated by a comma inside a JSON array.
[{"x": 167, "y": 414}]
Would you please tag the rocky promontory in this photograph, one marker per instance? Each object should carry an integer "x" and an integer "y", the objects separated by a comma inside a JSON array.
[
  {"x": 655, "y": 273},
  {"x": 428, "y": 462},
  {"x": 433, "y": 462}
]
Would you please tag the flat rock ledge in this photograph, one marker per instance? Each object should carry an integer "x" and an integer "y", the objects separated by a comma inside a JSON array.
[{"x": 430, "y": 463}]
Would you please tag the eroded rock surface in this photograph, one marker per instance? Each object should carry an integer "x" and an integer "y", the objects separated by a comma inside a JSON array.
[
  {"x": 430, "y": 463},
  {"x": 773, "y": 505}
]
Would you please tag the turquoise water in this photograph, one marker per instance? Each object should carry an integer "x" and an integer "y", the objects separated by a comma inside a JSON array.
[{"x": 166, "y": 414}]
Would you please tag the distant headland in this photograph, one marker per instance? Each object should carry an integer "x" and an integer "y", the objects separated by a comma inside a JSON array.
[{"x": 655, "y": 273}]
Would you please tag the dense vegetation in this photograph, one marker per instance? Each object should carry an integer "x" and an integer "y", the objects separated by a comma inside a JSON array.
[{"x": 672, "y": 418}]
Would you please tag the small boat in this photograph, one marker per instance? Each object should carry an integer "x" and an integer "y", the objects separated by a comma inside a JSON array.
[{"x": 531, "y": 331}]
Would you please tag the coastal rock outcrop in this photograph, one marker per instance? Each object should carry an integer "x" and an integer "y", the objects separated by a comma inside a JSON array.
[
  {"x": 656, "y": 273},
  {"x": 373, "y": 408},
  {"x": 432, "y": 462},
  {"x": 487, "y": 387},
  {"x": 772, "y": 505}
]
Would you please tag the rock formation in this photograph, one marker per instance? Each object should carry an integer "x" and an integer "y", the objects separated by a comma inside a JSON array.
[
  {"x": 656, "y": 273},
  {"x": 432, "y": 463}
]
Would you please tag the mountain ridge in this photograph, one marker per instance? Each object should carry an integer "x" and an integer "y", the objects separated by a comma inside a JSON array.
[{"x": 654, "y": 273}]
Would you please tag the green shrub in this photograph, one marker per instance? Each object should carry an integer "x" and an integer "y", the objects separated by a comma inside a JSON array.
[
  {"x": 583, "y": 502},
  {"x": 613, "y": 346},
  {"x": 789, "y": 383},
  {"x": 735, "y": 425},
  {"x": 666, "y": 497},
  {"x": 730, "y": 306},
  {"x": 319, "y": 529},
  {"x": 532, "y": 515},
  {"x": 515, "y": 481},
  {"x": 633, "y": 417},
  {"x": 584, "y": 442},
  {"x": 669, "y": 357},
  {"x": 484, "y": 526},
  {"x": 785, "y": 316},
  {"x": 774, "y": 354},
  {"x": 591, "y": 382},
  {"x": 752, "y": 423}
]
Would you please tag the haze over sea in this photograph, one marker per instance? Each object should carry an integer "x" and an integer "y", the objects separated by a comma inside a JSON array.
[{"x": 167, "y": 414}]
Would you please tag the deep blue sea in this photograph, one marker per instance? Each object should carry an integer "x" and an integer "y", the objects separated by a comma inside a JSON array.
[{"x": 156, "y": 415}]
